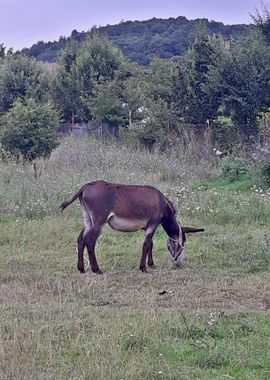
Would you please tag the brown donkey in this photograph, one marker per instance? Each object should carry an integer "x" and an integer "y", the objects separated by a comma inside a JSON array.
[{"x": 127, "y": 208}]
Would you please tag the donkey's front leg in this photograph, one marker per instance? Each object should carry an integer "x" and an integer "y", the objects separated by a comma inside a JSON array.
[{"x": 147, "y": 249}]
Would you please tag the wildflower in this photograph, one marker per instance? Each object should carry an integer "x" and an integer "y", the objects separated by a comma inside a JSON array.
[{"x": 211, "y": 319}]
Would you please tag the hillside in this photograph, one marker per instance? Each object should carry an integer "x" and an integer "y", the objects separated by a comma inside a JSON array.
[{"x": 139, "y": 40}]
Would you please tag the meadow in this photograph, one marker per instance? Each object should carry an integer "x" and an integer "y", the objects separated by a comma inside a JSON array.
[{"x": 208, "y": 319}]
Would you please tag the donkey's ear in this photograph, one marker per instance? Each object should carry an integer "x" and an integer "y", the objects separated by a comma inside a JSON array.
[{"x": 191, "y": 230}]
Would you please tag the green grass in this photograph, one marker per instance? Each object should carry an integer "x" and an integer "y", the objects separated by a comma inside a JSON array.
[
  {"x": 220, "y": 183},
  {"x": 212, "y": 322},
  {"x": 115, "y": 344}
]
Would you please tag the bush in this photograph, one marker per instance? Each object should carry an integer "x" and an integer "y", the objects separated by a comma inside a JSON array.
[
  {"x": 265, "y": 175},
  {"x": 29, "y": 129},
  {"x": 225, "y": 133},
  {"x": 236, "y": 169}
]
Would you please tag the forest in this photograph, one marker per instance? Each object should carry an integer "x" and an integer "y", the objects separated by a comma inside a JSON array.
[{"x": 141, "y": 40}]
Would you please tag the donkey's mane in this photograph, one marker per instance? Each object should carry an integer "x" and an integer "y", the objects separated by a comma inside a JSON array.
[{"x": 171, "y": 205}]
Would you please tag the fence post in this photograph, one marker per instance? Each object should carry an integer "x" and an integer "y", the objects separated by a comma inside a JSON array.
[{"x": 209, "y": 137}]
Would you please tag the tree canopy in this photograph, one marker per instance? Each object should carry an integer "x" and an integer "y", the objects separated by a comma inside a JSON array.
[{"x": 141, "y": 40}]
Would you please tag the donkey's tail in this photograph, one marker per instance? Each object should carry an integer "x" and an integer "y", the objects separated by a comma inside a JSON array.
[{"x": 68, "y": 202}]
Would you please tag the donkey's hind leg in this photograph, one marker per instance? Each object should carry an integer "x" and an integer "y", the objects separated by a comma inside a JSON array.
[
  {"x": 80, "y": 249},
  {"x": 81, "y": 242},
  {"x": 90, "y": 239}
]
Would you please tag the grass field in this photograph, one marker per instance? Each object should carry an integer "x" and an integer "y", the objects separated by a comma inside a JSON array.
[{"x": 211, "y": 320}]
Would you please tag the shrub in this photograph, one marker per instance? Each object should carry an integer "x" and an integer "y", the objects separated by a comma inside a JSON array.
[
  {"x": 265, "y": 175},
  {"x": 225, "y": 133},
  {"x": 29, "y": 129},
  {"x": 236, "y": 169}
]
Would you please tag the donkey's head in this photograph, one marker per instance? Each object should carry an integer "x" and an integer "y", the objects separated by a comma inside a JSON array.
[{"x": 176, "y": 246}]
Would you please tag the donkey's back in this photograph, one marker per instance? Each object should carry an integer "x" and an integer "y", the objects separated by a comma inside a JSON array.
[{"x": 126, "y": 201}]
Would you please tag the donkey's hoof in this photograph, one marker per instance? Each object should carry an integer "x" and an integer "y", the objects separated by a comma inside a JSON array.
[
  {"x": 143, "y": 269},
  {"x": 152, "y": 266},
  {"x": 81, "y": 269}
]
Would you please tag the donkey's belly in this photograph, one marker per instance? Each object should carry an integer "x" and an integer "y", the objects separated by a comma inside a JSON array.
[{"x": 125, "y": 225}]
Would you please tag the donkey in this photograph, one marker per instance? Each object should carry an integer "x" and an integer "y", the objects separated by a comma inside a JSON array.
[{"x": 127, "y": 208}]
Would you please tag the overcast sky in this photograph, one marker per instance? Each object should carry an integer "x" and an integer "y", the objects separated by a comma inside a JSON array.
[{"x": 24, "y": 22}]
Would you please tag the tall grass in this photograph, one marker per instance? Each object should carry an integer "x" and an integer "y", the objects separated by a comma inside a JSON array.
[{"x": 77, "y": 161}]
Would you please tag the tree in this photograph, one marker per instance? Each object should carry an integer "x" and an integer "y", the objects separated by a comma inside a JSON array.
[
  {"x": 81, "y": 70},
  {"x": 29, "y": 129},
  {"x": 199, "y": 79},
  {"x": 66, "y": 89},
  {"x": 98, "y": 63},
  {"x": 108, "y": 107},
  {"x": 2, "y": 51},
  {"x": 262, "y": 21},
  {"x": 141, "y": 40},
  {"x": 246, "y": 84},
  {"x": 158, "y": 101},
  {"x": 22, "y": 77}
]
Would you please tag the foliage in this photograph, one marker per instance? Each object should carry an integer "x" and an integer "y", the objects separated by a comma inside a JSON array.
[
  {"x": 141, "y": 40},
  {"x": 107, "y": 106},
  {"x": 219, "y": 83},
  {"x": 99, "y": 62},
  {"x": 200, "y": 79},
  {"x": 158, "y": 103},
  {"x": 238, "y": 174},
  {"x": 22, "y": 77},
  {"x": 66, "y": 92},
  {"x": 262, "y": 20},
  {"x": 83, "y": 71},
  {"x": 227, "y": 88},
  {"x": 235, "y": 169},
  {"x": 2, "y": 51},
  {"x": 29, "y": 129},
  {"x": 246, "y": 81},
  {"x": 225, "y": 134},
  {"x": 265, "y": 175}
]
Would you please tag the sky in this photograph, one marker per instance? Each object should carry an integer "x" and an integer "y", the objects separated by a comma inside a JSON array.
[{"x": 25, "y": 22}]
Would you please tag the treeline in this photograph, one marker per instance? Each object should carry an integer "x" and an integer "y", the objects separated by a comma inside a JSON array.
[
  {"x": 141, "y": 40},
  {"x": 225, "y": 90}
]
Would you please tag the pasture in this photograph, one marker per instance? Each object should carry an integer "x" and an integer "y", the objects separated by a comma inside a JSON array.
[{"x": 206, "y": 320}]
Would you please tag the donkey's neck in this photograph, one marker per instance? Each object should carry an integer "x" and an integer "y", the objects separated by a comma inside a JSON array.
[{"x": 170, "y": 224}]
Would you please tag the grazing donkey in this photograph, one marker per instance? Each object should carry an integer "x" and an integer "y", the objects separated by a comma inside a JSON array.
[{"x": 127, "y": 208}]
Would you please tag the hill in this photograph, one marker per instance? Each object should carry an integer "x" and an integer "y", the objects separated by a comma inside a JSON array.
[{"x": 139, "y": 40}]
